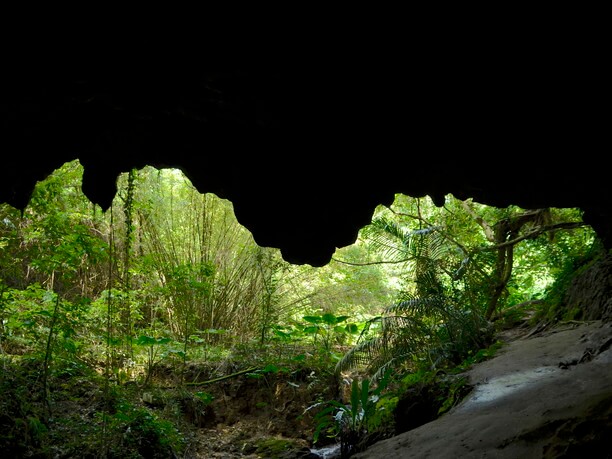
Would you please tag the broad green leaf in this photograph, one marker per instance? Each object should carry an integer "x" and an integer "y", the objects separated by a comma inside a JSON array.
[
  {"x": 365, "y": 392},
  {"x": 144, "y": 340},
  {"x": 313, "y": 319},
  {"x": 270, "y": 368},
  {"x": 282, "y": 334},
  {"x": 329, "y": 318}
]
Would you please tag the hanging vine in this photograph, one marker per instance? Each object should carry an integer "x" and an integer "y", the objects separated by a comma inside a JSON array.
[
  {"x": 128, "y": 206},
  {"x": 109, "y": 337}
]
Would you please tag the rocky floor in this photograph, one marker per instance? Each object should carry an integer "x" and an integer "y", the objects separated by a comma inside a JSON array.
[{"x": 546, "y": 394}]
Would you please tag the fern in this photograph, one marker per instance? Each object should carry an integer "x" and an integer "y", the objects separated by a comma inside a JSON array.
[{"x": 433, "y": 322}]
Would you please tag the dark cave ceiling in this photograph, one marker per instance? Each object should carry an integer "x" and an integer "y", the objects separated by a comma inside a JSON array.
[{"x": 306, "y": 152}]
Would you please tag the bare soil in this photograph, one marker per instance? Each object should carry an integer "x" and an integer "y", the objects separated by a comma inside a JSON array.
[{"x": 264, "y": 417}]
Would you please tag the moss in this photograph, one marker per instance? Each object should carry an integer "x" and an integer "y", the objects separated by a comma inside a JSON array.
[
  {"x": 572, "y": 314},
  {"x": 554, "y": 307},
  {"x": 274, "y": 447}
]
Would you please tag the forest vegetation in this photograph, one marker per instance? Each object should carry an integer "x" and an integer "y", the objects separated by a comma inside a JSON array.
[{"x": 118, "y": 327}]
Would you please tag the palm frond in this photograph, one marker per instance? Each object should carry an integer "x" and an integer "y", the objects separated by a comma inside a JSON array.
[
  {"x": 387, "y": 238},
  {"x": 435, "y": 245},
  {"x": 395, "y": 241},
  {"x": 401, "y": 337},
  {"x": 438, "y": 317},
  {"x": 419, "y": 306},
  {"x": 362, "y": 354}
]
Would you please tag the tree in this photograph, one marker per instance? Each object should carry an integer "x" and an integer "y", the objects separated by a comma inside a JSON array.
[
  {"x": 454, "y": 276},
  {"x": 507, "y": 232},
  {"x": 207, "y": 265}
]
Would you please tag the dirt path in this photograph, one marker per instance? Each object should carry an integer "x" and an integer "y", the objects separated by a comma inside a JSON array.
[{"x": 544, "y": 395}]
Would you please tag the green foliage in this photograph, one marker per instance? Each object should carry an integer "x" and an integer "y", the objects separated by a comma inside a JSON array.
[
  {"x": 176, "y": 278},
  {"x": 137, "y": 433},
  {"x": 205, "y": 397},
  {"x": 260, "y": 373},
  {"x": 454, "y": 276},
  {"x": 188, "y": 284},
  {"x": 152, "y": 346},
  {"x": 453, "y": 392},
  {"x": 382, "y": 419},
  {"x": 350, "y": 423},
  {"x": 21, "y": 418},
  {"x": 553, "y": 308},
  {"x": 33, "y": 315},
  {"x": 348, "y": 285},
  {"x": 432, "y": 323},
  {"x": 275, "y": 448},
  {"x": 57, "y": 237},
  {"x": 327, "y": 326}
]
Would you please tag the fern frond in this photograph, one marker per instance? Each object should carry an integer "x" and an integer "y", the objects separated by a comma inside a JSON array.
[
  {"x": 360, "y": 355},
  {"x": 401, "y": 338},
  {"x": 419, "y": 306}
]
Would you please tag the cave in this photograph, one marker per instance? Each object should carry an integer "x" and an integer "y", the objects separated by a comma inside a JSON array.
[{"x": 306, "y": 152}]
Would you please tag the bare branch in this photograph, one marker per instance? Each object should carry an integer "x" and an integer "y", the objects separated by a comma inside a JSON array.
[
  {"x": 371, "y": 262},
  {"x": 535, "y": 233}
]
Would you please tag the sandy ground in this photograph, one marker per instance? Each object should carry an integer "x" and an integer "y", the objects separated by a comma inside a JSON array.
[{"x": 544, "y": 395}]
